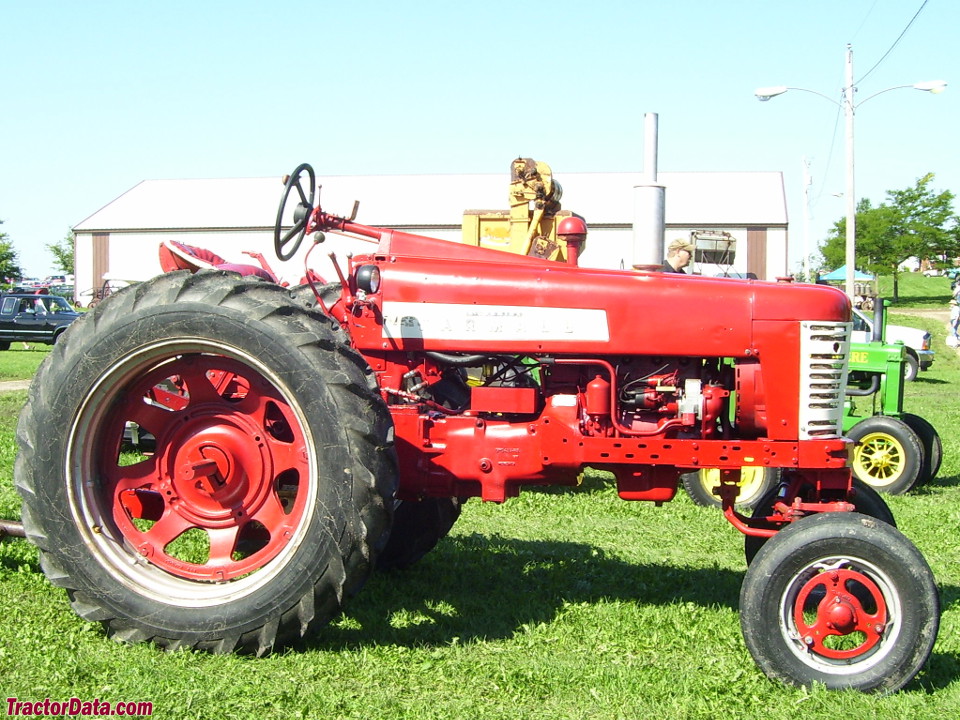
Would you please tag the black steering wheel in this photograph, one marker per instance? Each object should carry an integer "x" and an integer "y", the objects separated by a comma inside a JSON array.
[{"x": 301, "y": 215}]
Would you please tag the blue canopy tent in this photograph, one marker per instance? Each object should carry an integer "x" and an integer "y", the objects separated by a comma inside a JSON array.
[{"x": 840, "y": 275}]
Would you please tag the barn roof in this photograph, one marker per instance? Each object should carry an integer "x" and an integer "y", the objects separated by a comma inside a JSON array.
[{"x": 692, "y": 199}]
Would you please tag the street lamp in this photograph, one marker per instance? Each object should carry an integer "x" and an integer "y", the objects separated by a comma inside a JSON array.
[{"x": 848, "y": 105}]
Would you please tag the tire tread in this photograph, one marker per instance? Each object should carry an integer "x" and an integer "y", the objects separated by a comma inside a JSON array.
[{"x": 372, "y": 466}]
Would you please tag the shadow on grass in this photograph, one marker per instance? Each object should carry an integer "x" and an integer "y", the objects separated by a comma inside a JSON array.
[
  {"x": 941, "y": 671},
  {"x": 943, "y": 668},
  {"x": 936, "y": 485},
  {"x": 905, "y": 302},
  {"x": 480, "y": 587},
  {"x": 18, "y": 554},
  {"x": 487, "y": 588},
  {"x": 926, "y": 380}
]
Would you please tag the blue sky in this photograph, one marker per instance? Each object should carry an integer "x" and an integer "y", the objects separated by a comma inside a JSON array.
[{"x": 97, "y": 96}]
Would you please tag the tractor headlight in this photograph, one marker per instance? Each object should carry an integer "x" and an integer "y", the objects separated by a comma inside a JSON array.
[{"x": 368, "y": 278}]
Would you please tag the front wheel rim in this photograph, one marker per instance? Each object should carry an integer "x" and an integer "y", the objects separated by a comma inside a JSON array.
[{"x": 840, "y": 615}]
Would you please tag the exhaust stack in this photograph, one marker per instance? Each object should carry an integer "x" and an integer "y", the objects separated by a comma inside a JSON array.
[{"x": 648, "y": 206}]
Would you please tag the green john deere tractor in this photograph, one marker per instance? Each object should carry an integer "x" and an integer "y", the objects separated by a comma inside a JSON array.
[{"x": 894, "y": 450}]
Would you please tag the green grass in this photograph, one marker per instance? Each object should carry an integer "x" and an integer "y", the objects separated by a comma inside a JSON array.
[
  {"x": 19, "y": 362},
  {"x": 915, "y": 290},
  {"x": 557, "y": 604}
]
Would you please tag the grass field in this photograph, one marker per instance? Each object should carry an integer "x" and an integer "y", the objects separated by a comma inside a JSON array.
[
  {"x": 553, "y": 605},
  {"x": 21, "y": 362}
]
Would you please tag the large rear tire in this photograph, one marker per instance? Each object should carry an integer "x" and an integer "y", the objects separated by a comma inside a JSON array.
[
  {"x": 843, "y": 600},
  {"x": 264, "y": 495},
  {"x": 932, "y": 445}
]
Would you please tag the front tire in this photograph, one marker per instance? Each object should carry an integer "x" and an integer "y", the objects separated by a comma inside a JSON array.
[
  {"x": 264, "y": 495},
  {"x": 888, "y": 455},
  {"x": 843, "y": 600},
  {"x": 911, "y": 367}
]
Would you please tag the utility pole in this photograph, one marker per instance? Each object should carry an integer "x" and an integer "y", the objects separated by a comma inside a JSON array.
[
  {"x": 848, "y": 108},
  {"x": 807, "y": 181}
]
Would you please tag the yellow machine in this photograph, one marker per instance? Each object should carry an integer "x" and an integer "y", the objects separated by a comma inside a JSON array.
[{"x": 530, "y": 226}]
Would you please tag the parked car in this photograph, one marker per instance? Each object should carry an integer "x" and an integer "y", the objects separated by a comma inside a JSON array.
[
  {"x": 917, "y": 342},
  {"x": 35, "y": 318},
  {"x": 64, "y": 291}
]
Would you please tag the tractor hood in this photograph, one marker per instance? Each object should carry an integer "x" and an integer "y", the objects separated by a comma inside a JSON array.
[{"x": 445, "y": 296}]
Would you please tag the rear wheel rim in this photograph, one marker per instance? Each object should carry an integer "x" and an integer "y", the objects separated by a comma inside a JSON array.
[
  {"x": 223, "y": 501},
  {"x": 753, "y": 483},
  {"x": 880, "y": 459}
]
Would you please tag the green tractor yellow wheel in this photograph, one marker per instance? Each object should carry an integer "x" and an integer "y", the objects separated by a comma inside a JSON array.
[
  {"x": 754, "y": 483},
  {"x": 888, "y": 455}
]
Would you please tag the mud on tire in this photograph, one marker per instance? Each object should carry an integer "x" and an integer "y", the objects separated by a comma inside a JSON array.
[{"x": 264, "y": 493}]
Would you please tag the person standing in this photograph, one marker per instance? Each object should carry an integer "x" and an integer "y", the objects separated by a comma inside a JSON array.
[
  {"x": 953, "y": 339},
  {"x": 679, "y": 256}
]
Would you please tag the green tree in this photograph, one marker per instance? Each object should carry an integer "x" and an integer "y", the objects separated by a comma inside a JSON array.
[
  {"x": 9, "y": 264},
  {"x": 915, "y": 222},
  {"x": 63, "y": 252}
]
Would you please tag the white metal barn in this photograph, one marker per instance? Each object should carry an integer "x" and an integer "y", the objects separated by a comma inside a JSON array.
[{"x": 230, "y": 216}]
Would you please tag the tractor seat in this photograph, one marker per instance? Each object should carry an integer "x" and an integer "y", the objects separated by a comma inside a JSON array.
[{"x": 180, "y": 256}]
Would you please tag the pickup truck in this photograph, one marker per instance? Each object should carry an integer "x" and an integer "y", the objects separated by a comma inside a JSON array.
[
  {"x": 919, "y": 356},
  {"x": 33, "y": 318}
]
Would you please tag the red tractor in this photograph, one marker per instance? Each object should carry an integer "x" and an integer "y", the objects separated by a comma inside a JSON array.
[{"x": 239, "y": 456}]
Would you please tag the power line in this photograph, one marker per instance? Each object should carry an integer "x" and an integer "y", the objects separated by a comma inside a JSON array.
[
  {"x": 895, "y": 42},
  {"x": 865, "y": 18},
  {"x": 826, "y": 166}
]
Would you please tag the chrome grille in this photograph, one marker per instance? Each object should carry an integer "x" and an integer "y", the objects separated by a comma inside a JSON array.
[{"x": 824, "y": 353}]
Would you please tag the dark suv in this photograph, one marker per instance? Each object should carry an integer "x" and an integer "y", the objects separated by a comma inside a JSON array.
[{"x": 33, "y": 318}]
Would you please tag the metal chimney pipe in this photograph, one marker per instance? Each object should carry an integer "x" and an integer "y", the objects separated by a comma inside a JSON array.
[{"x": 648, "y": 206}]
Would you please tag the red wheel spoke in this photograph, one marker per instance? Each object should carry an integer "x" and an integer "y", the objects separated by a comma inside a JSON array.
[
  {"x": 149, "y": 417},
  {"x": 284, "y": 441},
  {"x": 167, "y": 529},
  {"x": 131, "y": 477},
  {"x": 199, "y": 387},
  {"x": 841, "y": 613},
  {"x": 287, "y": 456},
  {"x": 254, "y": 403},
  {"x": 272, "y": 517},
  {"x": 223, "y": 542}
]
